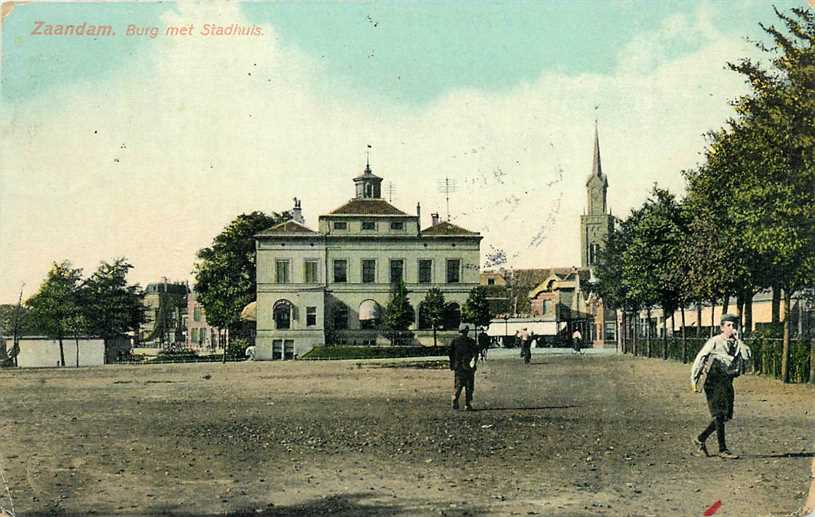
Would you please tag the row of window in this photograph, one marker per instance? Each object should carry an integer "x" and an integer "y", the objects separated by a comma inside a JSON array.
[
  {"x": 368, "y": 269},
  {"x": 368, "y": 226},
  {"x": 284, "y": 312}
]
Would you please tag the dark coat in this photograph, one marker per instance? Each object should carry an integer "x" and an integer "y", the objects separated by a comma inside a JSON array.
[{"x": 463, "y": 352}]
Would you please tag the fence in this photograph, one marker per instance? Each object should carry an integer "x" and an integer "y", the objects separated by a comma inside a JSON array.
[{"x": 767, "y": 353}]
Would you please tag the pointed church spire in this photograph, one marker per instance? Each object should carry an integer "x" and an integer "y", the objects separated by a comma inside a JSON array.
[{"x": 596, "y": 167}]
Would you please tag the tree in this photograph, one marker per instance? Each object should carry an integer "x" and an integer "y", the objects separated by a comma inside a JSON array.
[
  {"x": 55, "y": 308},
  {"x": 776, "y": 134},
  {"x": 433, "y": 309},
  {"x": 399, "y": 314},
  {"x": 110, "y": 306},
  {"x": 607, "y": 271},
  {"x": 666, "y": 216},
  {"x": 477, "y": 309},
  {"x": 225, "y": 274}
]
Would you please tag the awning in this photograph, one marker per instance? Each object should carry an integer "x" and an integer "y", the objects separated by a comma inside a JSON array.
[
  {"x": 250, "y": 312},
  {"x": 508, "y": 328},
  {"x": 369, "y": 310}
]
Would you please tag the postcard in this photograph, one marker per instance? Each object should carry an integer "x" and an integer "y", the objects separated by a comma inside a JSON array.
[{"x": 407, "y": 258}]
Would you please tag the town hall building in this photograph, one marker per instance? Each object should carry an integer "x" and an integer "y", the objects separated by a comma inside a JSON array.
[{"x": 331, "y": 285}]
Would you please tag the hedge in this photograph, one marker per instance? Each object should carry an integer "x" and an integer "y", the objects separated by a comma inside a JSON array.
[{"x": 372, "y": 352}]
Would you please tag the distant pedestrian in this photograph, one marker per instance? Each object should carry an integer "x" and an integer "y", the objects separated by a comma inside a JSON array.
[
  {"x": 722, "y": 358},
  {"x": 483, "y": 345},
  {"x": 577, "y": 341},
  {"x": 463, "y": 357},
  {"x": 526, "y": 346}
]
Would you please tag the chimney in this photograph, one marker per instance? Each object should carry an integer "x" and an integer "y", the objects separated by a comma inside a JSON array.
[
  {"x": 418, "y": 218},
  {"x": 297, "y": 212},
  {"x": 434, "y": 218}
]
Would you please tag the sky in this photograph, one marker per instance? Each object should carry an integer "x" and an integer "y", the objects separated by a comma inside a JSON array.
[{"x": 146, "y": 147}]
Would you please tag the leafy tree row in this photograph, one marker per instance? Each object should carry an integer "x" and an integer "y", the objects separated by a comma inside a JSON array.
[
  {"x": 68, "y": 306},
  {"x": 747, "y": 222},
  {"x": 399, "y": 315}
]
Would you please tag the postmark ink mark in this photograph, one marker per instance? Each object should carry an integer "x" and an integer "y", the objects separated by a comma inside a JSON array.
[{"x": 713, "y": 508}]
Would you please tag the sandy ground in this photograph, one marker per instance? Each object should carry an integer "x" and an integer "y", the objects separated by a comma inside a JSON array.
[{"x": 592, "y": 435}]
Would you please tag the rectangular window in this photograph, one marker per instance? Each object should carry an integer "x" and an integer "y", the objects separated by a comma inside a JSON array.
[
  {"x": 340, "y": 225},
  {"x": 196, "y": 313},
  {"x": 194, "y": 336},
  {"x": 311, "y": 271},
  {"x": 490, "y": 281},
  {"x": 425, "y": 271},
  {"x": 453, "y": 273},
  {"x": 340, "y": 271},
  {"x": 397, "y": 269},
  {"x": 368, "y": 271},
  {"x": 311, "y": 316},
  {"x": 611, "y": 331},
  {"x": 397, "y": 225},
  {"x": 282, "y": 271},
  {"x": 288, "y": 349},
  {"x": 368, "y": 225}
]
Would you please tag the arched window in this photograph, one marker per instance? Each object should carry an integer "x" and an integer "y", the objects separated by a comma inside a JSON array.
[
  {"x": 452, "y": 316},
  {"x": 593, "y": 249},
  {"x": 370, "y": 314},
  {"x": 282, "y": 314}
]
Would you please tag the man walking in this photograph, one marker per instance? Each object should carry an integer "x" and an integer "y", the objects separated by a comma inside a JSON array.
[
  {"x": 483, "y": 344},
  {"x": 463, "y": 357},
  {"x": 526, "y": 346},
  {"x": 577, "y": 339},
  {"x": 720, "y": 360}
]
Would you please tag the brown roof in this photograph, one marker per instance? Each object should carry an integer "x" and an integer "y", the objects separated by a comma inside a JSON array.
[
  {"x": 446, "y": 228},
  {"x": 367, "y": 207},
  {"x": 290, "y": 226}
]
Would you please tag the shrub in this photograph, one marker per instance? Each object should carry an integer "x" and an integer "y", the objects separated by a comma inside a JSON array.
[
  {"x": 369, "y": 352},
  {"x": 236, "y": 351}
]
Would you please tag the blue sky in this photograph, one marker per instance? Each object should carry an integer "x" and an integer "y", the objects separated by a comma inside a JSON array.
[
  {"x": 146, "y": 148},
  {"x": 407, "y": 52}
]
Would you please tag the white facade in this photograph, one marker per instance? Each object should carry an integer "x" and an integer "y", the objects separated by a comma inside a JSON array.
[{"x": 332, "y": 285}]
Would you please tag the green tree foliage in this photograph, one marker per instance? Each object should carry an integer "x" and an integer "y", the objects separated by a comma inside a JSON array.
[
  {"x": 55, "y": 308},
  {"x": 399, "y": 314},
  {"x": 433, "y": 309},
  {"x": 608, "y": 269},
  {"x": 24, "y": 324},
  {"x": 225, "y": 275},
  {"x": 110, "y": 306},
  {"x": 775, "y": 132},
  {"x": 477, "y": 309},
  {"x": 748, "y": 220}
]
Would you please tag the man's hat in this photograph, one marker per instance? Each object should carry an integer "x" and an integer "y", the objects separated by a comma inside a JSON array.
[{"x": 729, "y": 317}]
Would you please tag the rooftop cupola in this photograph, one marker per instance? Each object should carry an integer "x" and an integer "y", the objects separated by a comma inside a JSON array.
[{"x": 368, "y": 185}]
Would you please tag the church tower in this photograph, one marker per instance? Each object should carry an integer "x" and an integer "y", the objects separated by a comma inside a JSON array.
[{"x": 596, "y": 223}]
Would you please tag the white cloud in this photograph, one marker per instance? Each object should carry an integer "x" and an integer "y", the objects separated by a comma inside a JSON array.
[{"x": 215, "y": 127}]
